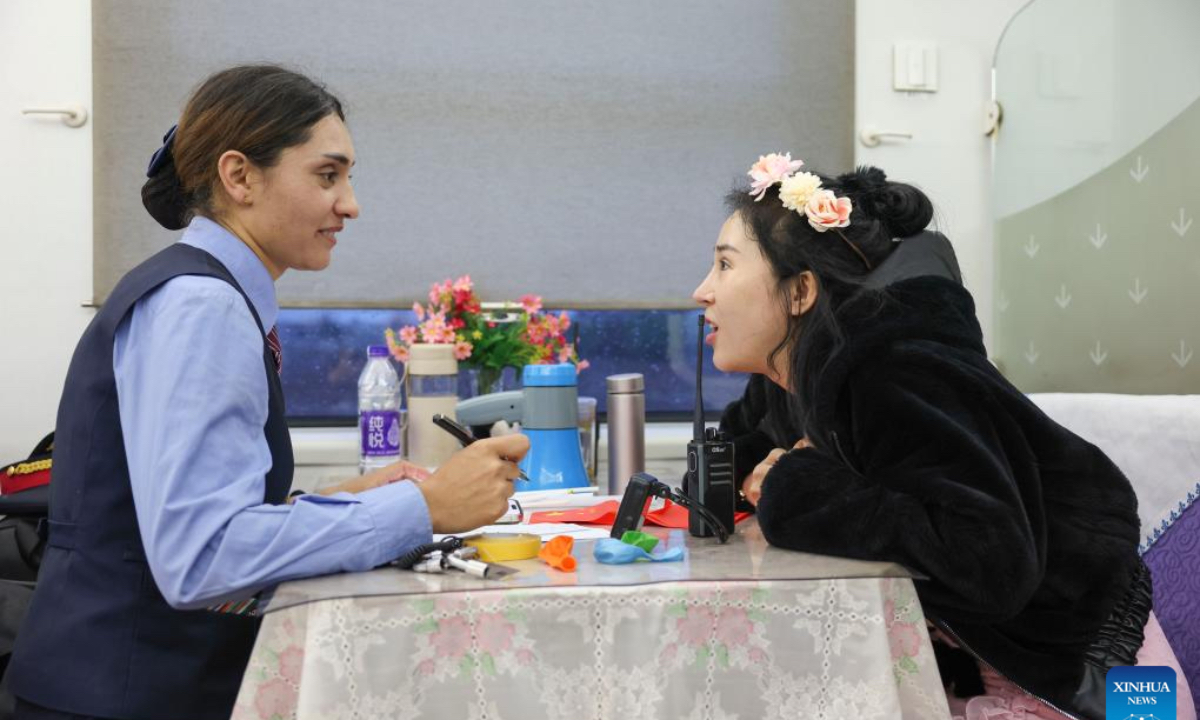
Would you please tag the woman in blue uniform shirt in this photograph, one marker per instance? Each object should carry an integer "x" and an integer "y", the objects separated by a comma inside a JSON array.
[{"x": 173, "y": 464}]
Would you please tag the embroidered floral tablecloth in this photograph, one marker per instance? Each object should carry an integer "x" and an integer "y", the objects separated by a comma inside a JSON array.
[{"x": 841, "y": 648}]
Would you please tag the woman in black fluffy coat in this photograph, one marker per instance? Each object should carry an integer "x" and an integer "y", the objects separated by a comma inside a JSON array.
[{"x": 905, "y": 444}]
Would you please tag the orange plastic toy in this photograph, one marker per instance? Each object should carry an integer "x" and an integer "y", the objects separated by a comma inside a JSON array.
[{"x": 557, "y": 553}]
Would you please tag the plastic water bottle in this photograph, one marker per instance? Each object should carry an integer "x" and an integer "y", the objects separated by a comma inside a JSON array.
[{"x": 379, "y": 415}]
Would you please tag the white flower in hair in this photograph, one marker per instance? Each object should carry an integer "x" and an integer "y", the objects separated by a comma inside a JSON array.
[{"x": 795, "y": 190}]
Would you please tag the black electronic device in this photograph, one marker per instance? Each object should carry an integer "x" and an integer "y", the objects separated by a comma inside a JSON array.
[
  {"x": 634, "y": 503},
  {"x": 642, "y": 488},
  {"x": 710, "y": 481}
]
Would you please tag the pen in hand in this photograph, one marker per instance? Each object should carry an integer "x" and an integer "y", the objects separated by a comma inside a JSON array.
[{"x": 462, "y": 434}]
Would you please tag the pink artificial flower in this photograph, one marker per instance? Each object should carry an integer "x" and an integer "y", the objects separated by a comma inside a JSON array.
[
  {"x": 564, "y": 321},
  {"x": 408, "y": 335},
  {"x": 462, "y": 285},
  {"x": 400, "y": 352},
  {"x": 564, "y": 353},
  {"x": 536, "y": 332},
  {"x": 531, "y": 303},
  {"x": 769, "y": 170},
  {"x": 825, "y": 210},
  {"x": 430, "y": 330},
  {"x": 462, "y": 350},
  {"x": 419, "y": 311},
  {"x": 581, "y": 366}
]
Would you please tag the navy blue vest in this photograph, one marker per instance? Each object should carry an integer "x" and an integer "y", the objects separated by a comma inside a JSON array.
[{"x": 99, "y": 638}]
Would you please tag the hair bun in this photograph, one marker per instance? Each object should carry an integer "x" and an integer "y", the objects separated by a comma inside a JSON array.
[
  {"x": 164, "y": 198},
  {"x": 901, "y": 208},
  {"x": 864, "y": 179}
]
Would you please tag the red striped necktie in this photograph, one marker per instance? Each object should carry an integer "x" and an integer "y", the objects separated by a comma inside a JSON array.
[{"x": 276, "y": 348}]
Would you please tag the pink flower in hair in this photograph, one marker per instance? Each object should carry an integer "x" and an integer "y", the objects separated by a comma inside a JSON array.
[
  {"x": 825, "y": 210},
  {"x": 769, "y": 170}
]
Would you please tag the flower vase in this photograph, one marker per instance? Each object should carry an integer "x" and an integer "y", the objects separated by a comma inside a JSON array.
[{"x": 485, "y": 381}]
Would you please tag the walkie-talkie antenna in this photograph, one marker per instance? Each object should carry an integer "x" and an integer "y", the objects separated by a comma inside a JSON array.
[{"x": 698, "y": 418}]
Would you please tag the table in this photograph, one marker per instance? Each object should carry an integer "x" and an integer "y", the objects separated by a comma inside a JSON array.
[{"x": 742, "y": 630}]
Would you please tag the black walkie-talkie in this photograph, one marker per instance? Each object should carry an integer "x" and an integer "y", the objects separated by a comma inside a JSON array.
[{"x": 710, "y": 463}]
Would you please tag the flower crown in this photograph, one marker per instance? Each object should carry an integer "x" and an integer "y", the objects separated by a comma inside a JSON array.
[
  {"x": 802, "y": 193},
  {"x": 799, "y": 191}
]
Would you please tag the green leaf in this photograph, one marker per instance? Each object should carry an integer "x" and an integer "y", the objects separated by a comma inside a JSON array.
[
  {"x": 424, "y": 606},
  {"x": 907, "y": 664},
  {"x": 466, "y": 665},
  {"x": 676, "y": 610},
  {"x": 489, "y": 664},
  {"x": 723, "y": 655}
]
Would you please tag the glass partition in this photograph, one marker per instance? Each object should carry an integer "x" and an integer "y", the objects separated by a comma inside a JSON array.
[{"x": 1096, "y": 192}]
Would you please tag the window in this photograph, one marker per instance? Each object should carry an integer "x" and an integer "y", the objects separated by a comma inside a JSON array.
[{"x": 324, "y": 351}]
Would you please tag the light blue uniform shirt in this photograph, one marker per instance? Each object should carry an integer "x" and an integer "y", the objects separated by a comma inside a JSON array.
[{"x": 192, "y": 394}]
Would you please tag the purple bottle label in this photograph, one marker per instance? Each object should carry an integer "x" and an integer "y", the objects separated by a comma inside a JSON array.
[{"x": 380, "y": 432}]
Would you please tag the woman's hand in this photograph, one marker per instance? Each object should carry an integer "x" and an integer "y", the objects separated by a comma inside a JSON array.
[
  {"x": 752, "y": 487},
  {"x": 383, "y": 476}
]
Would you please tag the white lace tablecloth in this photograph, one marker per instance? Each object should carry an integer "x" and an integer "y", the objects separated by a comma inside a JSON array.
[{"x": 795, "y": 649}]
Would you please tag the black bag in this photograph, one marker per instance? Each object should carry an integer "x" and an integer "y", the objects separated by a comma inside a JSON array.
[{"x": 24, "y": 506}]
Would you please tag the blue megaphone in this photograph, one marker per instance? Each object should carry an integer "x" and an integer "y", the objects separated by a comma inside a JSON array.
[{"x": 548, "y": 410}]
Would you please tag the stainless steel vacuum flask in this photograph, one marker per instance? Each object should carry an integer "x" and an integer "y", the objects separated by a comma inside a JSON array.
[{"x": 626, "y": 429}]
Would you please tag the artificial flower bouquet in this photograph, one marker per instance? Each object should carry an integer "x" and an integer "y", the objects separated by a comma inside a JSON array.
[{"x": 485, "y": 338}]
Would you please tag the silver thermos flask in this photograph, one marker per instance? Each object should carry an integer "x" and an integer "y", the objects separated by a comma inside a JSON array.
[{"x": 626, "y": 429}]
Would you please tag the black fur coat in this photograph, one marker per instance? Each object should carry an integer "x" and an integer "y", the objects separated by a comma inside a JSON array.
[{"x": 926, "y": 456}]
